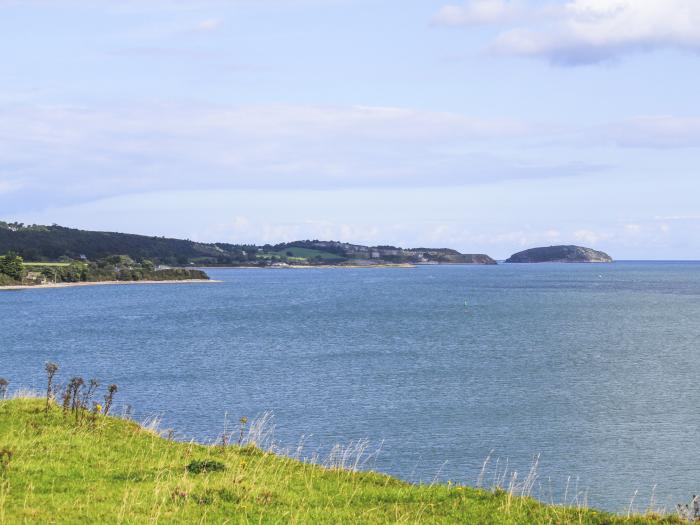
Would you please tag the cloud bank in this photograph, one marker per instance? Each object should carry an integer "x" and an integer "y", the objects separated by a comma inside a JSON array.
[
  {"x": 130, "y": 150},
  {"x": 44, "y": 149},
  {"x": 582, "y": 31}
]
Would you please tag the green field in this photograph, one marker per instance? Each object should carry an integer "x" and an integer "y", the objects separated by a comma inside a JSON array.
[
  {"x": 306, "y": 253},
  {"x": 44, "y": 264},
  {"x": 55, "y": 469}
]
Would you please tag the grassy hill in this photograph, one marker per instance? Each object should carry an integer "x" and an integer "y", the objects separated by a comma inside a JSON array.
[
  {"x": 108, "y": 470},
  {"x": 306, "y": 253},
  {"x": 37, "y": 243},
  {"x": 50, "y": 243}
]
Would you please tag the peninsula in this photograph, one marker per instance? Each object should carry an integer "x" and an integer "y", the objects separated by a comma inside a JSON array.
[
  {"x": 565, "y": 254},
  {"x": 38, "y": 243}
]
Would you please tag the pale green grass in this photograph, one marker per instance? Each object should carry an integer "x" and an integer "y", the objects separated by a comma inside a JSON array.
[
  {"x": 42, "y": 264},
  {"x": 107, "y": 470},
  {"x": 307, "y": 253}
]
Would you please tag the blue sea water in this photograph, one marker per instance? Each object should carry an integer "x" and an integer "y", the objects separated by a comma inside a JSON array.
[{"x": 594, "y": 367}]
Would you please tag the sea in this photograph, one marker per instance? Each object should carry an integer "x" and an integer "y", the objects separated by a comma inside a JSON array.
[{"x": 582, "y": 378}]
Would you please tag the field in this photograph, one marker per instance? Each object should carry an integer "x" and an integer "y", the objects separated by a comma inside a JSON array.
[
  {"x": 31, "y": 265},
  {"x": 306, "y": 253},
  {"x": 84, "y": 467}
]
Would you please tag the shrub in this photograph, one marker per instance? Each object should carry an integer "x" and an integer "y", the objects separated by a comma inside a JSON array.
[
  {"x": 11, "y": 265},
  {"x": 207, "y": 465}
]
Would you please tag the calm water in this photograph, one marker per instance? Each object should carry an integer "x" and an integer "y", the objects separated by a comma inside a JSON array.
[{"x": 595, "y": 367}]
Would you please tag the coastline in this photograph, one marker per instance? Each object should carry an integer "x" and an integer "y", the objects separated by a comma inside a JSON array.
[
  {"x": 101, "y": 283},
  {"x": 345, "y": 266},
  {"x": 308, "y": 267}
]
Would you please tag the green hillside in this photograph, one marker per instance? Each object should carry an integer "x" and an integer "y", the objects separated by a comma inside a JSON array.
[
  {"x": 37, "y": 243},
  {"x": 51, "y": 243},
  {"x": 88, "y": 468},
  {"x": 306, "y": 253}
]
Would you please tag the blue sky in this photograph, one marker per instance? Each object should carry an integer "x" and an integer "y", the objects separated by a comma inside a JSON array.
[{"x": 487, "y": 125}]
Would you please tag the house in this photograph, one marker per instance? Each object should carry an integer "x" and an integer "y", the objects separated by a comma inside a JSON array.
[{"x": 35, "y": 278}]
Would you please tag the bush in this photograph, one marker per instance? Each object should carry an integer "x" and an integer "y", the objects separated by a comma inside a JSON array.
[
  {"x": 207, "y": 465},
  {"x": 6, "y": 280},
  {"x": 11, "y": 265}
]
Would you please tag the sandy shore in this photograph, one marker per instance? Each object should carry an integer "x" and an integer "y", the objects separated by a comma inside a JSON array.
[{"x": 103, "y": 283}]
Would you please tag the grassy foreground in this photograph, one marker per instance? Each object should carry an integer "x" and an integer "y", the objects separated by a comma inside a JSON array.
[{"x": 109, "y": 470}]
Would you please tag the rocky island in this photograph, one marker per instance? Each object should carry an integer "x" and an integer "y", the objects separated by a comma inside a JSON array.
[{"x": 566, "y": 254}]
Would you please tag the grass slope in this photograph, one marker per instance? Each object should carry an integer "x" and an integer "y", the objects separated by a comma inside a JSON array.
[
  {"x": 306, "y": 253},
  {"x": 108, "y": 470},
  {"x": 32, "y": 265}
]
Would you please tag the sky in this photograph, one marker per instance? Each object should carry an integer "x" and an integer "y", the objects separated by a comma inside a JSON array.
[{"x": 488, "y": 126}]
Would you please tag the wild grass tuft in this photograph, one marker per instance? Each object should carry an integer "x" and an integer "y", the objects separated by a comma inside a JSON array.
[{"x": 51, "y": 369}]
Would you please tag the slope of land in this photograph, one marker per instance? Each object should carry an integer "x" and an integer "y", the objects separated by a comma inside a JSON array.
[
  {"x": 567, "y": 254},
  {"x": 55, "y": 468},
  {"x": 36, "y": 243}
]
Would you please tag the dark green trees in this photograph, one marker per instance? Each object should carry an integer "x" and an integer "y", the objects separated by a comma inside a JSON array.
[{"x": 12, "y": 266}]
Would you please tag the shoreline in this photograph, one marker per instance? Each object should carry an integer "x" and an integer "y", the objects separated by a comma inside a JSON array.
[
  {"x": 100, "y": 283},
  {"x": 306, "y": 267}
]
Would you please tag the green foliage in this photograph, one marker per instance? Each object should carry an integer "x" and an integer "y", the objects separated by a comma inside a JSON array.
[
  {"x": 11, "y": 266},
  {"x": 52, "y": 243},
  {"x": 123, "y": 261},
  {"x": 20, "y": 226},
  {"x": 125, "y": 269},
  {"x": 6, "y": 280},
  {"x": 207, "y": 465},
  {"x": 112, "y": 470}
]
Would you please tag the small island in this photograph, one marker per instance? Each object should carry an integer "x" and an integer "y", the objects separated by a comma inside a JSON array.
[{"x": 565, "y": 254}]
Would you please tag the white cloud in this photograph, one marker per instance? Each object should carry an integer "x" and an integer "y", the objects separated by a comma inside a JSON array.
[
  {"x": 590, "y": 237},
  {"x": 677, "y": 218},
  {"x": 584, "y": 31},
  {"x": 661, "y": 131},
  {"x": 479, "y": 12},
  {"x": 211, "y": 24},
  {"x": 632, "y": 229},
  {"x": 9, "y": 185}
]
